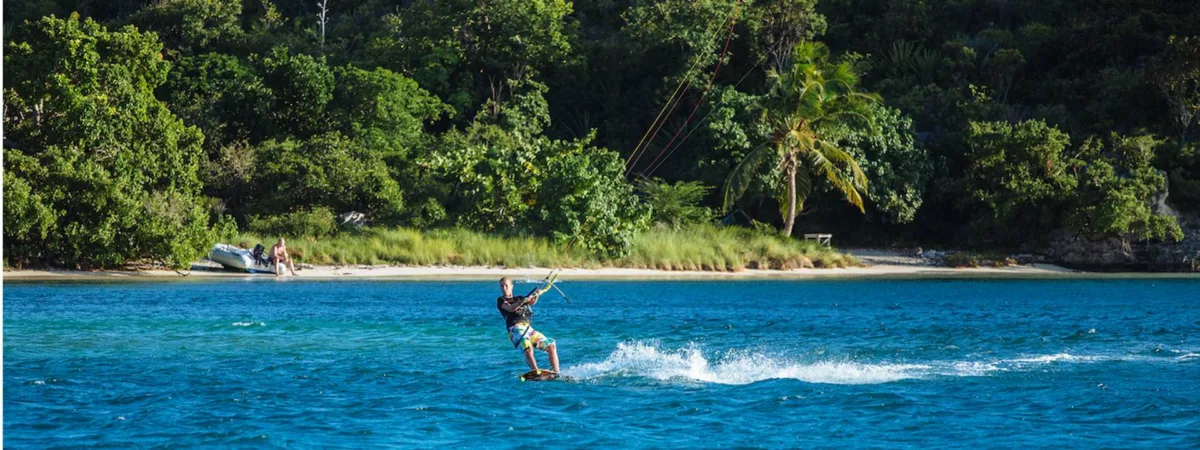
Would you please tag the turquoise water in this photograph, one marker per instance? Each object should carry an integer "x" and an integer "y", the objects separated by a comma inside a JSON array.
[{"x": 349, "y": 364}]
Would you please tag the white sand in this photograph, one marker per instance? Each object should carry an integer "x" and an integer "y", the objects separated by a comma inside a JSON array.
[{"x": 460, "y": 272}]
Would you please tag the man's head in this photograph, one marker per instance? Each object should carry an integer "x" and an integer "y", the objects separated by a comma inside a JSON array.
[
  {"x": 281, "y": 243},
  {"x": 506, "y": 286}
]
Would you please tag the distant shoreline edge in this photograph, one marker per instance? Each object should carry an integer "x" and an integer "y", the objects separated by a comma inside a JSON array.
[{"x": 610, "y": 273}]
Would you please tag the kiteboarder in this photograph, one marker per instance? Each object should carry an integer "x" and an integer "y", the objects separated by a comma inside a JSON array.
[{"x": 518, "y": 315}]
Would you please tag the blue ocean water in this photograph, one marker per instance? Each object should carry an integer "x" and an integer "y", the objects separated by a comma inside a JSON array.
[{"x": 350, "y": 364}]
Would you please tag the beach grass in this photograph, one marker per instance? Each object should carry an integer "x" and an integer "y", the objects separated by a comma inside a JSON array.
[
  {"x": 706, "y": 247},
  {"x": 699, "y": 247}
]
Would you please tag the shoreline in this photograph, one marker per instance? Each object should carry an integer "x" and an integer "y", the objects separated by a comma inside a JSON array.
[{"x": 878, "y": 271}]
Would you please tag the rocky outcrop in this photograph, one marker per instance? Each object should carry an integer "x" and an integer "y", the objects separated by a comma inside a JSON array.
[
  {"x": 1072, "y": 249},
  {"x": 1182, "y": 256}
]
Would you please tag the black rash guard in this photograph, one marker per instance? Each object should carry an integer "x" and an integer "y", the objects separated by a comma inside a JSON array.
[{"x": 522, "y": 314}]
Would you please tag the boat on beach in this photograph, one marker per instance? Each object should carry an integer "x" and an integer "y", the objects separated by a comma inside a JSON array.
[{"x": 232, "y": 257}]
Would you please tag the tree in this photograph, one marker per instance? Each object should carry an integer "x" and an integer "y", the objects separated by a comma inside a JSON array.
[
  {"x": 900, "y": 170},
  {"x": 506, "y": 177},
  {"x": 1017, "y": 178},
  {"x": 805, "y": 105},
  {"x": 1117, "y": 190},
  {"x": 302, "y": 86},
  {"x": 1177, "y": 74},
  {"x": 585, "y": 199},
  {"x": 223, "y": 96},
  {"x": 323, "y": 18},
  {"x": 778, "y": 25},
  {"x": 97, "y": 171},
  {"x": 675, "y": 205},
  {"x": 496, "y": 164},
  {"x": 465, "y": 51},
  {"x": 381, "y": 101},
  {"x": 194, "y": 26},
  {"x": 325, "y": 170}
]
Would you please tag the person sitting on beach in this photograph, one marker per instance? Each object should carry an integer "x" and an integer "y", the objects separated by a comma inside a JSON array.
[
  {"x": 279, "y": 256},
  {"x": 518, "y": 315}
]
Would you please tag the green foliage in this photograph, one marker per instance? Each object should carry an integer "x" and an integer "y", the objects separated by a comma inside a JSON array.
[
  {"x": 97, "y": 171},
  {"x": 585, "y": 198},
  {"x": 697, "y": 26},
  {"x": 807, "y": 104},
  {"x": 223, "y": 96},
  {"x": 193, "y": 26},
  {"x": 564, "y": 189},
  {"x": 468, "y": 113},
  {"x": 316, "y": 222},
  {"x": 302, "y": 86},
  {"x": 1117, "y": 187},
  {"x": 899, "y": 169},
  {"x": 676, "y": 205},
  {"x": 226, "y": 228},
  {"x": 1017, "y": 178},
  {"x": 495, "y": 175},
  {"x": 1024, "y": 181},
  {"x": 384, "y": 102},
  {"x": 1177, "y": 74},
  {"x": 776, "y": 26},
  {"x": 465, "y": 51},
  {"x": 328, "y": 170},
  {"x": 1182, "y": 162}
]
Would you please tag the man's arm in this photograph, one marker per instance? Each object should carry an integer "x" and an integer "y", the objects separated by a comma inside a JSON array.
[
  {"x": 513, "y": 305},
  {"x": 533, "y": 297}
]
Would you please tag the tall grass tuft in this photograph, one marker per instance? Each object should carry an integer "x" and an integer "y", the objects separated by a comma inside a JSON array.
[{"x": 697, "y": 247}]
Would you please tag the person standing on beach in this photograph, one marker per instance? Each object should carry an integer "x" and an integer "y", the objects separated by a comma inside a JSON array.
[
  {"x": 279, "y": 256},
  {"x": 518, "y": 316}
]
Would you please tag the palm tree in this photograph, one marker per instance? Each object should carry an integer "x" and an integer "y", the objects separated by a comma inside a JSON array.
[{"x": 805, "y": 103}]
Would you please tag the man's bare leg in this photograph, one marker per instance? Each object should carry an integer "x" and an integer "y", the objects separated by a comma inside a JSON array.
[
  {"x": 278, "y": 268},
  {"x": 291, "y": 266},
  {"x": 553, "y": 351},
  {"x": 530, "y": 360}
]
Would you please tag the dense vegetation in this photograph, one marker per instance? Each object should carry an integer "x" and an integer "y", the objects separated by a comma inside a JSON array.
[{"x": 137, "y": 130}]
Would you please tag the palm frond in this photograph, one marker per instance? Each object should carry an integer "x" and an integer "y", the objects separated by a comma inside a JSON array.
[
  {"x": 844, "y": 185},
  {"x": 842, "y": 78},
  {"x": 849, "y": 117},
  {"x": 809, "y": 52},
  {"x": 804, "y": 184},
  {"x": 863, "y": 96},
  {"x": 845, "y": 160},
  {"x": 742, "y": 175}
]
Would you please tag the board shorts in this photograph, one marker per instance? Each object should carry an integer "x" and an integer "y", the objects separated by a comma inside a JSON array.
[{"x": 523, "y": 336}]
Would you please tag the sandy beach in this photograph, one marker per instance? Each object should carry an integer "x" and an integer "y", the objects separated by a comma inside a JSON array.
[{"x": 460, "y": 272}]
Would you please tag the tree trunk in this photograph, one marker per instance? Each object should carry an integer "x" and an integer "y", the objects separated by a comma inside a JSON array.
[{"x": 790, "y": 220}]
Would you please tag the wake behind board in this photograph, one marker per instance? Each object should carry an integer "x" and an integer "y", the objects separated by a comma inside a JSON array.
[{"x": 539, "y": 375}]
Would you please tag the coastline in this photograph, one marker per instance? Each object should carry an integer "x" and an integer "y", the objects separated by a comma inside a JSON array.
[
  {"x": 609, "y": 273},
  {"x": 877, "y": 264}
]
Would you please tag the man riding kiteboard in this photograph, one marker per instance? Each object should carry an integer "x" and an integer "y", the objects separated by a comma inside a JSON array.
[{"x": 518, "y": 316}]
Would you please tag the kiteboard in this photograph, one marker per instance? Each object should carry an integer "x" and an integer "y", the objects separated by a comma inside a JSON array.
[{"x": 539, "y": 375}]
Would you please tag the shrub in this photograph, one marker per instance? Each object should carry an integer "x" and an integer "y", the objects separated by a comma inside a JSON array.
[
  {"x": 676, "y": 205},
  {"x": 585, "y": 198},
  {"x": 305, "y": 223}
]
